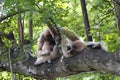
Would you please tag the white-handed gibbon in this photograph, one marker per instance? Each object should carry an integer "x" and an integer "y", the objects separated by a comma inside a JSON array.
[{"x": 47, "y": 49}]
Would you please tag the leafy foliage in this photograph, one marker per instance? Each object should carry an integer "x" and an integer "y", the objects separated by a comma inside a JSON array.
[{"x": 67, "y": 13}]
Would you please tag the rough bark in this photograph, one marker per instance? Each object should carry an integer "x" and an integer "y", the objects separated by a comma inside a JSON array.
[
  {"x": 86, "y": 60},
  {"x": 117, "y": 12},
  {"x": 20, "y": 29}
]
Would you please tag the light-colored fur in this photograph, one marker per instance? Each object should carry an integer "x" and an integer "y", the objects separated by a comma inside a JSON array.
[{"x": 47, "y": 51}]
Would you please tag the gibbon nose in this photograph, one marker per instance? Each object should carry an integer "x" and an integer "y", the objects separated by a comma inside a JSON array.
[{"x": 69, "y": 48}]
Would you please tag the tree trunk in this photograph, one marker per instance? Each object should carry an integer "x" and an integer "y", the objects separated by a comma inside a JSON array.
[
  {"x": 30, "y": 26},
  {"x": 20, "y": 30},
  {"x": 86, "y": 21},
  {"x": 117, "y": 12}
]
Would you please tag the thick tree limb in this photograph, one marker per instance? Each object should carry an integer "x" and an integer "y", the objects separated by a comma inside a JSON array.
[{"x": 86, "y": 60}]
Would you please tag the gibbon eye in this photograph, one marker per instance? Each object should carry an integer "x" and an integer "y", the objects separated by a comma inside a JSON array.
[{"x": 75, "y": 47}]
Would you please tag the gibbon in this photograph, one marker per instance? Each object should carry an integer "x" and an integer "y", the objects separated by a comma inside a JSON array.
[{"x": 47, "y": 49}]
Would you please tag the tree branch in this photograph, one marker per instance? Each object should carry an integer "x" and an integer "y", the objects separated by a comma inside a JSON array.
[
  {"x": 86, "y": 60},
  {"x": 10, "y": 15}
]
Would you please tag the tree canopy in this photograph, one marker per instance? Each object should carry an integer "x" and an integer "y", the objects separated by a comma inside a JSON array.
[{"x": 22, "y": 21}]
